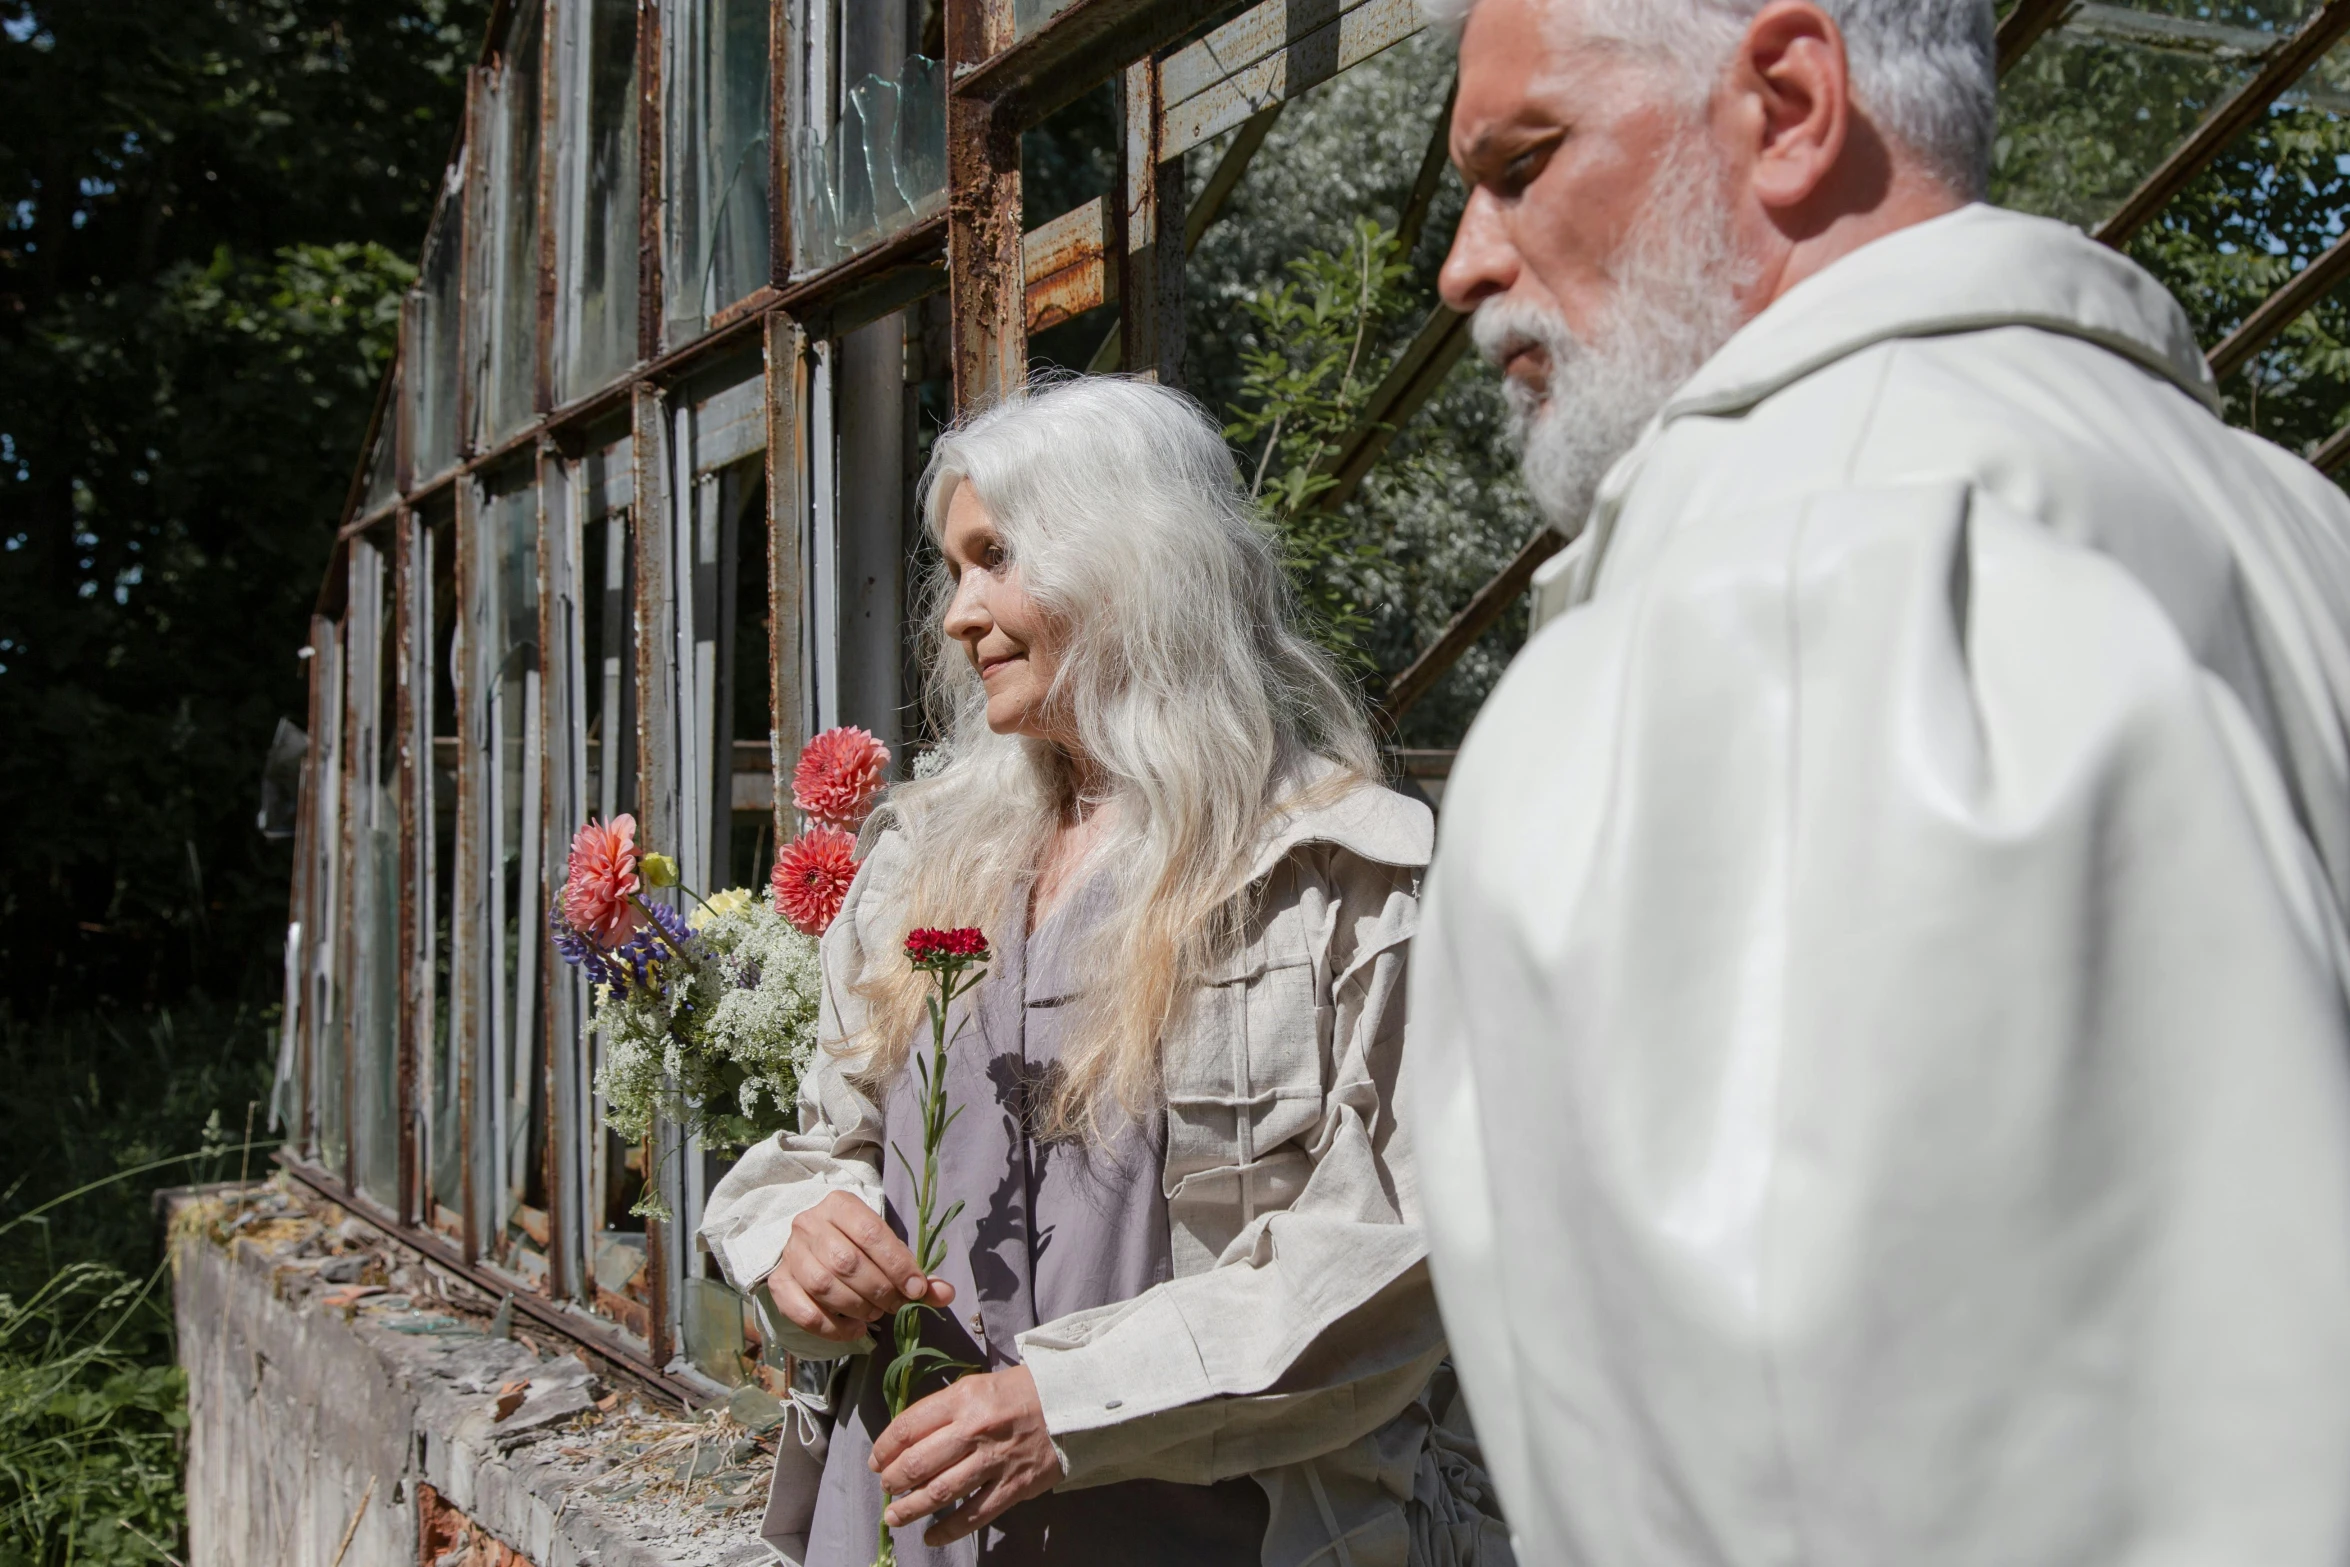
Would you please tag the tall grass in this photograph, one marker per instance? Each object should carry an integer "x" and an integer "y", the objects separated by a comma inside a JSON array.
[{"x": 101, "y": 1108}]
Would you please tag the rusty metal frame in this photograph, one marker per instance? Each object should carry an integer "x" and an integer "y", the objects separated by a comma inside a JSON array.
[
  {"x": 984, "y": 275},
  {"x": 415, "y": 774},
  {"x": 2293, "y": 59},
  {"x": 2281, "y": 309},
  {"x": 1186, "y": 70},
  {"x": 2025, "y": 26}
]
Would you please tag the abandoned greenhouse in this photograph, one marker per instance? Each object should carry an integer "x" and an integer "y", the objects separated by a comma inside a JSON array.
[{"x": 636, "y": 517}]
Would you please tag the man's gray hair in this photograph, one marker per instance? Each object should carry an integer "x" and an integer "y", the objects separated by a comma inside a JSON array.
[{"x": 1924, "y": 70}]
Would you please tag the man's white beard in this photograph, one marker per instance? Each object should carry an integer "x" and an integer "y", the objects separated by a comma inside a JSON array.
[{"x": 1679, "y": 278}]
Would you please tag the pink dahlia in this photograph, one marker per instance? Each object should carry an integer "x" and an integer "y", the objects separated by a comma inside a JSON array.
[
  {"x": 600, "y": 880},
  {"x": 812, "y": 877},
  {"x": 838, "y": 775}
]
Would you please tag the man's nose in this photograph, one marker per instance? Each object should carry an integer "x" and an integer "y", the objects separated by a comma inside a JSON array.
[{"x": 1483, "y": 261}]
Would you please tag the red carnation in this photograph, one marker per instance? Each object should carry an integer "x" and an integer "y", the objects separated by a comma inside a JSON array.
[
  {"x": 812, "y": 876},
  {"x": 838, "y": 775},
  {"x": 932, "y": 949}
]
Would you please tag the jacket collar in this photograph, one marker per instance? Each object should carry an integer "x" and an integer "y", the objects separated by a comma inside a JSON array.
[
  {"x": 1367, "y": 820},
  {"x": 1967, "y": 271}
]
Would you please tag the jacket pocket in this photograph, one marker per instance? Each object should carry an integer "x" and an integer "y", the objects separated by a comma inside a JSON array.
[{"x": 1244, "y": 1097}]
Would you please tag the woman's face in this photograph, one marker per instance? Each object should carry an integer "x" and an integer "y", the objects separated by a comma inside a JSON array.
[{"x": 1006, "y": 637}]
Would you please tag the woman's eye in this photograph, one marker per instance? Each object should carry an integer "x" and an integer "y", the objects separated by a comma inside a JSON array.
[
  {"x": 1521, "y": 170},
  {"x": 992, "y": 558}
]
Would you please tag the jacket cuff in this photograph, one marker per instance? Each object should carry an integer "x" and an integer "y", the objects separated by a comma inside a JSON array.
[
  {"x": 1092, "y": 1390},
  {"x": 751, "y": 1248}
]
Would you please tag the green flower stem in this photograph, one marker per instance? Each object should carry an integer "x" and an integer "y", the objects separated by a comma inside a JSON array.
[{"x": 956, "y": 978}]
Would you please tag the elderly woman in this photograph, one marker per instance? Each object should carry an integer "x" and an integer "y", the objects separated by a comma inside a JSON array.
[{"x": 1189, "y": 1261}]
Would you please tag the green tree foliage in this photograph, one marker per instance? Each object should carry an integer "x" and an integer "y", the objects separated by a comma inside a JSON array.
[
  {"x": 207, "y": 205},
  {"x": 1444, "y": 509},
  {"x": 1303, "y": 388}
]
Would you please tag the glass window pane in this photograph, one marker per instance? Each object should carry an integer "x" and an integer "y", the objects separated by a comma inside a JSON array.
[
  {"x": 510, "y": 207},
  {"x": 597, "y": 196},
  {"x": 438, "y": 299},
  {"x": 375, "y": 878},
  {"x": 715, "y": 153},
  {"x": 328, "y": 1144},
  {"x": 383, "y": 477},
  {"x": 512, "y": 1106},
  {"x": 438, "y": 1078},
  {"x": 2101, "y": 100},
  {"x": 878, "y": 167}
]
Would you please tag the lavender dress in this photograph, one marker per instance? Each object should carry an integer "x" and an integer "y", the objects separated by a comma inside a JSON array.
[{"x": 1048, "y": 1229}]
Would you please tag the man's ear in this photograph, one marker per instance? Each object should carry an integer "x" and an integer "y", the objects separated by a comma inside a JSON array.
[{"x": 1793, "y": 88}]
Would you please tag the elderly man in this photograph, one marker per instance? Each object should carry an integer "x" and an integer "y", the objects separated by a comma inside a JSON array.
[{"x": 1881, "y": 1011}]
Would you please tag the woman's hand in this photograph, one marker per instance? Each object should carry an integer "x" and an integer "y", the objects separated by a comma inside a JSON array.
[
  {"x": 844, "y": 1270},
  {"x": 981, "y": 1442}
]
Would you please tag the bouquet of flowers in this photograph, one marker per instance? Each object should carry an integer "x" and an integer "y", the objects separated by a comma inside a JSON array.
[{"x": 709, "y": 1017}]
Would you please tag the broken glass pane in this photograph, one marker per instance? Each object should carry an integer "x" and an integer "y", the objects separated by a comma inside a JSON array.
[
  {"x": 596, "y": 197},
  {"x": 880, "y": 167},
  {"x": 717, "y": 159},
  {"x": 510, "y": 206},
  {"x": 438, "y": 298}
]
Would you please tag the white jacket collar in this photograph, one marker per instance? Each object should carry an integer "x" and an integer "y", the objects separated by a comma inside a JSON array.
[
  {"x": 1369, "y": 820},
  {"x": 1977, "y": 268}
]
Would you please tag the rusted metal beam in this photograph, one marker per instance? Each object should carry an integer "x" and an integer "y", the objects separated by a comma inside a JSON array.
[
  {"x": 467, "y": 937},
  {"x": 779, "y": 171},
  {"x": 649, "y": 190},
  {"x": 2291, "y": 60},
  {"x": 1150, "y": 241},
  {"x": 2282, "y": 308},
  {"x": 1066, "y": 265},
  {"x": 550, "y": 84},
  {"x": 986, "y": 300},
  {"x": 1414, "y": 377},
  {"x": 1209, "y": 205},
  {"x": 2024, "y": 27},
  {"x": 1068, "y": 54},
  {"x": 1268, "y": 55},
  {"x": 556, "y": 564},
  {"x": 411, "y": 633},
  {"x": 598, "y": 1337},
  {"x": 788, "y": 468},
  {"x": 1477, "y": 617},
  {"x": 1433, "y": 163},
  {"x": 653, "y": 532},
  {"x": 1203, "y": 215},
  {"x": 2332, "y": 452}
]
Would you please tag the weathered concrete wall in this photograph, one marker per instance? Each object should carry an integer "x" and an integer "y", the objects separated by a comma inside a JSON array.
[{"x": 332, "y": 1377}]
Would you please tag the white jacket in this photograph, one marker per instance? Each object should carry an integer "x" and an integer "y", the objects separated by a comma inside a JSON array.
[
  {"x": 1298, "y": 1337},
  {"x": 1881, "y": 997}
]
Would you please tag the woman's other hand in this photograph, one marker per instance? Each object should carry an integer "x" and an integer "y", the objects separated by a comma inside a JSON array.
[
  {"x": 982, "y": 1442},
  {"x": 844, "y": 1270}
]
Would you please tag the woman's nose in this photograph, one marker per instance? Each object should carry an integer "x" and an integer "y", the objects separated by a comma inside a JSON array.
[{"x": 966, "y": 616}]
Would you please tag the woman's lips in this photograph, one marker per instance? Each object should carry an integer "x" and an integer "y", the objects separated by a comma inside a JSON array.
[{"x": 988, "y": 666}]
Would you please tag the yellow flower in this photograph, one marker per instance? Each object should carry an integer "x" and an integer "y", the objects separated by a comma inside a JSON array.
[
  {"x": 720, "y": 905},
  {"x": 659, "y": 870}
]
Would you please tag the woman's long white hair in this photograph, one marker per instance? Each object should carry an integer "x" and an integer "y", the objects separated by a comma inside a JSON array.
[{"x": 1203, "y": 712}]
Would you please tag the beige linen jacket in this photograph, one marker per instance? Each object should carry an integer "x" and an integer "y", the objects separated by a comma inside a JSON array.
[
  {"x": 1882, "y": 992},
  {"x": 1298, "y": 1338}
]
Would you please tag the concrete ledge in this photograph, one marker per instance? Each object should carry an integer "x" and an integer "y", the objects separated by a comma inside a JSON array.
[{"x": 333, "y": 1375}]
